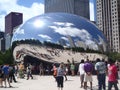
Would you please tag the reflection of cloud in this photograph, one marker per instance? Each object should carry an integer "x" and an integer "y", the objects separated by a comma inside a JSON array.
[
  {"x": 63, "y": 24},
  {"x": 45, "y": 36},
  {"x": 67, "y": 29},
  {"x": 64, "y": 38},
  {"x": 21, "y": 31}
]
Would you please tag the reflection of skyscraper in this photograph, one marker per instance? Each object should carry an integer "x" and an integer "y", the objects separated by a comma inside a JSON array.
[
  {"x": 81, "y": 44},
  {"x": 78, "y": 7},
  {"x": 12, "y": 20},
  {"x": 1, "y": 34},
  {"x": 72, "y": 44},
  {"x": 108, "y": 20},
  {"x": 62, "y": 42}
]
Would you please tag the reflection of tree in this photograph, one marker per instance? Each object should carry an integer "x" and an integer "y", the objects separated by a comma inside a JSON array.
[
  {"x": 53, "y": 45},
  {"x": 27, "y": 41},
  {"x": 79, "y": 49}
]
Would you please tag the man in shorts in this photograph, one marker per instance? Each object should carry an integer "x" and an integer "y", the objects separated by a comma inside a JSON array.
[{"x": 88, "y": 67}]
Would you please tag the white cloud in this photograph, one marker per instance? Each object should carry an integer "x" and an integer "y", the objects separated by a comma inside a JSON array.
[
  {"x": 8, "y": 6},
  {"x": 45, "y": 36}
]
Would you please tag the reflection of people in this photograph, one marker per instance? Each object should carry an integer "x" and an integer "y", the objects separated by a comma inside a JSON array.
[
  {"x": 112, "y": 75},
  {"x": 60, "y": 76}
]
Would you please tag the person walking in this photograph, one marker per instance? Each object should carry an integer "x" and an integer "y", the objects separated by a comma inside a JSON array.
[
  {"x": 100, "y": 68},
  {"x": 29, "y": 71},
  {"x": 81, "y": 72},
  {"x": 112, "y": 75},
  {"x": 60, "y": 76}
]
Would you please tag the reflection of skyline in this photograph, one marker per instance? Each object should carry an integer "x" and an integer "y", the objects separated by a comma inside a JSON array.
[{"x": 61, "y": 28}]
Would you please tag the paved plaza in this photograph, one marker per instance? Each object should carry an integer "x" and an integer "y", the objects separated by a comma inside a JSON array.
[{"x": 48, "y": 83}]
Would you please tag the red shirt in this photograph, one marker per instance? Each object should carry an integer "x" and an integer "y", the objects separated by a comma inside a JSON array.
[{"x": 112, "y": 73}]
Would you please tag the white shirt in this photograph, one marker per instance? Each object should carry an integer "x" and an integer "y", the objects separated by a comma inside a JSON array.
[{"x": 81, "y": 69}]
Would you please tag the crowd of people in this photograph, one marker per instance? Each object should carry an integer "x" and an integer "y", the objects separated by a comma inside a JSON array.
[
  {"x": 85, "y": 69},
  {"x": 102, "y": 70}
]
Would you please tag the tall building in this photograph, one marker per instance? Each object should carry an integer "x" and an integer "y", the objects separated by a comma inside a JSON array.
[
  {"x": 2, "y": 42},
  {"x": 12, "y": 20},
  {"x": 78, "y": 7},
  {"x": 1, "y": 34},
  {"x": 108, "y": 20}
]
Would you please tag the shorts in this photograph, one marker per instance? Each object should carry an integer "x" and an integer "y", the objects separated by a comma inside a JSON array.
[
  {"x": 82, "y": 77},
  {"x": 88, "y": 78},
  {"x": 59, "y": 80}
]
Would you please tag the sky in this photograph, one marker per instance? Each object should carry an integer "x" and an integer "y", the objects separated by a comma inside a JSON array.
[{"x": 29, "y": 8}]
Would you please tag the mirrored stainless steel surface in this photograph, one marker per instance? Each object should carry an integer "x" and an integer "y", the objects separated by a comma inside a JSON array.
[{"x": 53, "y": 37}]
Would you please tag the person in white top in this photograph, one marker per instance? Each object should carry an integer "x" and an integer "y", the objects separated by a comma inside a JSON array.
[{"x": 81, "y": 72}]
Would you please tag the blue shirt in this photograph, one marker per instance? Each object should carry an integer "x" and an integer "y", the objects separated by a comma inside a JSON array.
[{"x": 5, "y": 70}]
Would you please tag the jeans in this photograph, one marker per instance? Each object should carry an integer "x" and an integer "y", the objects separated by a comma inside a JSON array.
[
  {"x": 101, "y": 81},
  {"x": 111, "y": 83}
]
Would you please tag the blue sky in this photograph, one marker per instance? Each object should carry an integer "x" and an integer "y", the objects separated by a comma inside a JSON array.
[{"x": 29, "y": 8}]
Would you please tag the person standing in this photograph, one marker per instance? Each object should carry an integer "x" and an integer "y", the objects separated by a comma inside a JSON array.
[
  {"x": 5, "y": 70},
  {"x": 100, "y": 68},
  {"x": 82, "y": 72},
  {"x": 54, "y": 69},
  {"x": 60, "y": 76},
  {"x": 1, "y": 77},
  {"x": 88, "y": 67},
  {"x": 112, "y": 75}
]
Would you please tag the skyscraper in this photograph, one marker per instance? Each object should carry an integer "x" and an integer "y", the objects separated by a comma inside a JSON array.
[
  {"x": 2, "y": 42},
  {"x": 78, "y": 7},
  {"x": 12, "y": 20},
  {"x": 108, "y": 20}
]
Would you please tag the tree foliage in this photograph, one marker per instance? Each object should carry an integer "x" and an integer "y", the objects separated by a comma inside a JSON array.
[{"x": 6, "y": 57}]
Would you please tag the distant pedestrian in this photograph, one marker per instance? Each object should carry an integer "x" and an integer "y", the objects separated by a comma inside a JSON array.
[
  {"x": 72, "y": 68},
  {"x": 12, "y": 74},
  {"x": 60, "y": 76},
  {"x": 54, "y": 69},
  {"x": 82, "y": 72},
  {"x": 29, "y": 71},
  {"x": 112, "y": 75}
]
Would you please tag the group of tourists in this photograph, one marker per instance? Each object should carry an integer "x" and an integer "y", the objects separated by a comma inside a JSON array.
[
  {"x": 102, "y": 69},
  {"x": 7, "y": 75}
]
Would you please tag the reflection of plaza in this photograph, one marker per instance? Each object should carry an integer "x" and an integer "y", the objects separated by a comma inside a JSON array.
[{"x": 50, "y": 54}]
